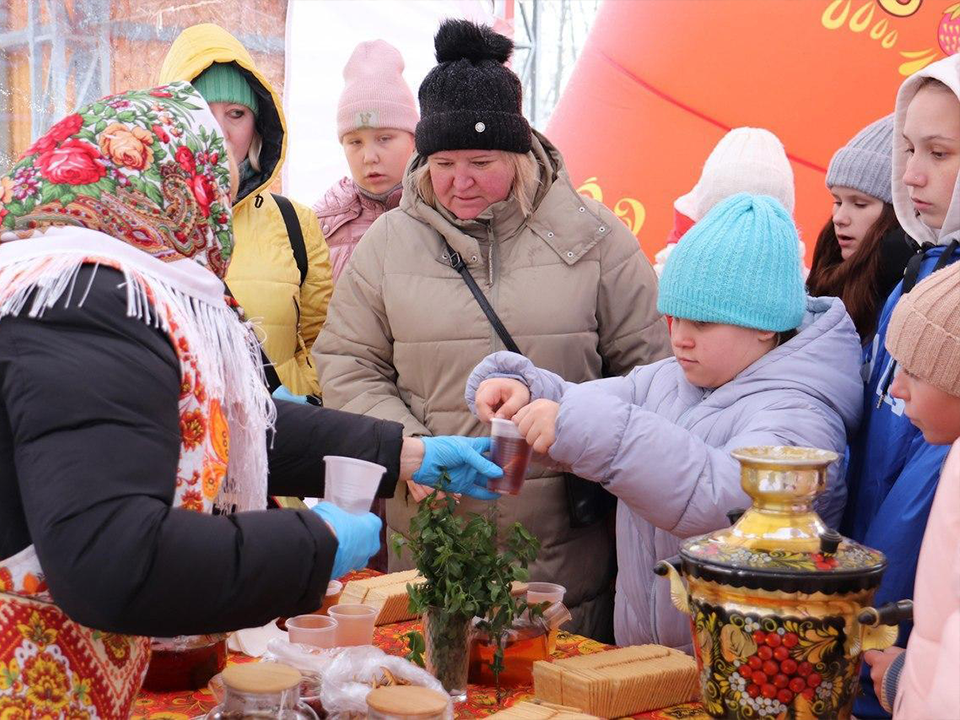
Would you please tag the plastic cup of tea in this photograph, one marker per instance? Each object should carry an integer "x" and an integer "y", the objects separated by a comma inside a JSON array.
[
  {"x": 510, "y": 451},
  {"x": 317, "y": 630},
  {"x": 351, "y": 484},
  {"x": 354, "y": 624},
  {"x": 334, "y": 590},
  {"x": 544, "y": 592}
]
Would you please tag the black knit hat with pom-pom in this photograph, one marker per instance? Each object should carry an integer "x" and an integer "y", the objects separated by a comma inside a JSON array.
[{"x": 471, "y": 100}]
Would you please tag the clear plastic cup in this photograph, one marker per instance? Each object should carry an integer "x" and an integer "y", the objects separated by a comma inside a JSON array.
[
  {"x": 544, "y": 592},
  {"x": 510, "y": 451},
  {"x": 317, "y": 630},
  {"x": 354, "y": 624},
  {"x": 334, "y": 590},
  {"x": 351, "y": 484}
]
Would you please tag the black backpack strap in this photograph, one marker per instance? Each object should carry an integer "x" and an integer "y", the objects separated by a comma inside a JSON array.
[
  {"x": 461, "y": 267},
  {"x": 294, "y": 233}
]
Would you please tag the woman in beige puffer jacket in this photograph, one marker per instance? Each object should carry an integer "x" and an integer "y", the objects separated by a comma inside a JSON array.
[{"x": 565, "y": 276}]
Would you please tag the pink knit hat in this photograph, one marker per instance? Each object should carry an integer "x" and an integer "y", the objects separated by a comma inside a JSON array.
[{"x": 375, "y": 94}]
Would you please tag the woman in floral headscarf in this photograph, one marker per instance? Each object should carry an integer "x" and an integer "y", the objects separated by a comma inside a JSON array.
[{"x": 132, "y": 404}]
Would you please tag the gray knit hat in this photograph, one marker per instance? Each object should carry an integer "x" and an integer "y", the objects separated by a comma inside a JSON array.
[{"x": 865, "y": 163}]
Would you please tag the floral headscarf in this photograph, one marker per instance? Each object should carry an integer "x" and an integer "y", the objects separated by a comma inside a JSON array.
[{"x": 148, "y": 167}]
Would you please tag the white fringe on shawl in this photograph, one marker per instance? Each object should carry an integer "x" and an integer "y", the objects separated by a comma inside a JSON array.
[{"x": 39, "y": 271}]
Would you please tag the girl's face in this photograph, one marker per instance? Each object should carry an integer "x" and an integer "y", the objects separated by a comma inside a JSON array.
[
  {"x": 467, "y": 182},
  {"x": 713, "y": 354},
  {"x": 935, "y": 413},
  {"x": 377, "y": 157},
  {"x": 238, "y": 125},
  {"x": 931, "y": 129},
  {"x": 854, "y": 213}
]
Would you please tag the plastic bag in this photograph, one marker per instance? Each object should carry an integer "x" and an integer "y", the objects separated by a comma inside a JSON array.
[{"x": 350, "y": 677}]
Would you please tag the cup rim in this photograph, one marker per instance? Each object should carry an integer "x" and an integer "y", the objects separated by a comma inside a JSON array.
[
  {"x": 334, "y": 587},
  {"x": 355, "y": 461},
  {"x": 370, "y": 610},
  {"x": 506, "y": 428},
  {"x": 325, "y": 622},
  {"x": 544, "y": 586}
]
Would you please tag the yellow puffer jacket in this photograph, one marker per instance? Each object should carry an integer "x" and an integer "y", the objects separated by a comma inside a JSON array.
[{"x": 263, "y": 273}]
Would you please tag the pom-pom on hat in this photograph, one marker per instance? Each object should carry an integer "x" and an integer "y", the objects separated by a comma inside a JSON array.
[
  {"x": 471, "y": 100},
  {"x": 739, "y": 265}
]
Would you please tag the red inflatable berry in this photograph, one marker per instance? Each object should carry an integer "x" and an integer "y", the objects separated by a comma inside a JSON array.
[
  {"x": 765, "y": 652},
  {"x": 785, "y": 696},
  {"x": 759, "y": 636},
  {"x": 809, "y": 694},
  {"x": 788, "y": 666},
  {"x": 813, "y": 679},
  {"x": 798, "y": 685},
  {"x": 753, "y": 690},
  {"x": 773, "y": 640},
  {"x": 769, "y": 691},
  {"x": 790, "y": 640},
  {"x": 771, "y": 668},
  {"x": 804, "y": 668},
  {"x": 781, "y": 653},
  {"x": 746, "y": 673},
  {"x": 755, "y": 662},
  {"x": 781, "y": 680},
  {"x": 759, "y": 677}
]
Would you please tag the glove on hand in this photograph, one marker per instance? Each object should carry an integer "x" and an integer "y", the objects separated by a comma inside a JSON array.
[
  {"x": 358, "y": 537},
  {"x": 460, "y": 458}
]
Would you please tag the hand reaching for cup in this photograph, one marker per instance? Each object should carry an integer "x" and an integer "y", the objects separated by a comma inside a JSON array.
[
  {"x": 500, "y": 398},
  {"x": 537, "y": 422},
  {"x": 460, "y": 458}
]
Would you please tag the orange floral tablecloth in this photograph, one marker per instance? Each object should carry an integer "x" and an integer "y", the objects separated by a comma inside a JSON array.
[{"x": 481, "y": 700}]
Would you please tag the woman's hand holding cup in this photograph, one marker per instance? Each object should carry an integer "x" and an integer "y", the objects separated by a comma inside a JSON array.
[{"x": 500, "y": 398}]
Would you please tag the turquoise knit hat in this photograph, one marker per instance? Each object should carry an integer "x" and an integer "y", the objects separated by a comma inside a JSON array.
[
  {"x": 740, "y": 265},
  {"x": 223, "y": 82}
]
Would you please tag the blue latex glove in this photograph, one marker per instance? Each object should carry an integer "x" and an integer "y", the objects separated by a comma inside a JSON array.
[
  {"x": 358, "y": 537},
  {"x": 461, "y": 459},
  {"x": 281, "y": 393}
]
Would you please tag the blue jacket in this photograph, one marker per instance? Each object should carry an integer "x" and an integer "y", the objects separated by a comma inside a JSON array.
[{"x": 891, "y": 481}]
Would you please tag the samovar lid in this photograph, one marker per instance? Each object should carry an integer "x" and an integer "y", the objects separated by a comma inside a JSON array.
[{"x": 780, "y": 542}]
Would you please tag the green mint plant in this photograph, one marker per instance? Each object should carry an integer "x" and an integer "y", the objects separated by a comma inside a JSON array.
[{"x": 465, "y": 574}]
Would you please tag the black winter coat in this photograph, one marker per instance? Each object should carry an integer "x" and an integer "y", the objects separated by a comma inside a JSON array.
[{"x": 89, "y": 447}]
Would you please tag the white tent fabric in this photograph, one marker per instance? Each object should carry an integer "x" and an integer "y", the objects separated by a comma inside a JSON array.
[{"x": 320, "y": 38}]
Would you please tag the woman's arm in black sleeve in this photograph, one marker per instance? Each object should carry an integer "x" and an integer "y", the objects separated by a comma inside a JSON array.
[
  {"x": 92, "y": 399},
  {"x": 305, "y": 433}
]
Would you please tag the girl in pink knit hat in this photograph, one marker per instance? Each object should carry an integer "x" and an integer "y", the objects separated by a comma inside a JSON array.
[{"x": 376, "y": 119}]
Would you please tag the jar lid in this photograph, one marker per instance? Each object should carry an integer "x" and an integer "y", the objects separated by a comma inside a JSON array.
[
  {"x": 407, "y": 700},
  {"x": 261, "y": 677}
]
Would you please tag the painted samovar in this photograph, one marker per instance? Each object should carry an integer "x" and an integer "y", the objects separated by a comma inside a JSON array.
[{"x": 780, "y": 604}]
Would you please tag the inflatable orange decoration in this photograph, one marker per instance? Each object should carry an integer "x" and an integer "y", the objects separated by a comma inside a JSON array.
[{"x": 658, "y": 83}]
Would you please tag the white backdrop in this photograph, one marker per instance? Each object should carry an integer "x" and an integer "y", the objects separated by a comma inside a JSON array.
[{"x": 321, "y": 35}]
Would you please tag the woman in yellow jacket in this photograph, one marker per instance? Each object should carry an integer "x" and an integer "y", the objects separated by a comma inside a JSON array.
[{"x": 287, "y": 296}]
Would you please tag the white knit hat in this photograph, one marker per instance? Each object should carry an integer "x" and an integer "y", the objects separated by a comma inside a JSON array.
[{"x": 750, "y": 160}]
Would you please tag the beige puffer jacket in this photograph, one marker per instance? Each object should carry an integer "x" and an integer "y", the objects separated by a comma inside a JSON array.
[{"x": 403, "y": 332}]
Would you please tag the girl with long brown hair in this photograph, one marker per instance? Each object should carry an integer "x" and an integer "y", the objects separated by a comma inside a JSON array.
[{"x": 861, "y": 251}]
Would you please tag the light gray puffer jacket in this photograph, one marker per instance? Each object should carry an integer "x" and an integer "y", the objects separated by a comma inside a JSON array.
[{"x": 662, "y": 446}]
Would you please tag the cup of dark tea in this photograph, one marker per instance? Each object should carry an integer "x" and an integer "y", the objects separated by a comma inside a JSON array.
[{"x": 510, "y": 451}]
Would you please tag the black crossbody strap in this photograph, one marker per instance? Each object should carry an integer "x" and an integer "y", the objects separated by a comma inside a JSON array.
[
  {"x": 461, "y": 267},
  {"x": 294, "y": 234}
]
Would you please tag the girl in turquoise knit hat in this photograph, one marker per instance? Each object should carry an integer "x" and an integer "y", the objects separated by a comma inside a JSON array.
[{"x": 757, "y": 362}]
